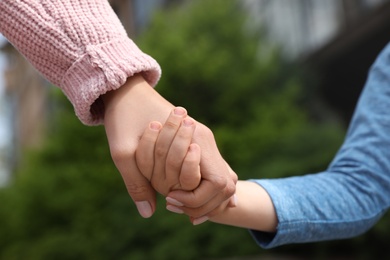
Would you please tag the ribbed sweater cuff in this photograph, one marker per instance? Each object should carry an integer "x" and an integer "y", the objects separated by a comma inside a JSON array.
[{"x": 103, "y": 68}]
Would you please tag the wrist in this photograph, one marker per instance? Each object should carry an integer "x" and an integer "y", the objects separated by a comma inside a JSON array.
[
  {"x": 138, "y": 100},
  {"x": 254, "y": 209},
  {"x": 129, "y": 110},
  {"x": 133, "y": 86}
]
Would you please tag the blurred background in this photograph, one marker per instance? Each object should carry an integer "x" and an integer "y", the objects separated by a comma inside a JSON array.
[{"x": 276, "y": 81}]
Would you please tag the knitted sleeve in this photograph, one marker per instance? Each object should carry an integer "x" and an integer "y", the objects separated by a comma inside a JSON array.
[{"x": 79, "y": 46}]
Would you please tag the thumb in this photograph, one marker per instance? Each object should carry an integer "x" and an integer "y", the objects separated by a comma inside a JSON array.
[{"x": 138, "y": 187}]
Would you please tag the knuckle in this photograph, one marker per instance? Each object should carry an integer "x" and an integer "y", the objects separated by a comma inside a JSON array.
[
  {"x": 193, "y": 203},
  {"x": 219, "y": 181},
  {"x": 136, "y": 189},
  {"x": 173, "y": 163},
  {"x": 172, "y": 124},
  {"x": 160, "y": 151},
  {"x": 230, "y": 190},
  {"x": 235, "y": 178}
]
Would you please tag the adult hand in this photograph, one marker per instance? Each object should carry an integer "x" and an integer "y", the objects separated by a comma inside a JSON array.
[{"x": 128, "y": 111}]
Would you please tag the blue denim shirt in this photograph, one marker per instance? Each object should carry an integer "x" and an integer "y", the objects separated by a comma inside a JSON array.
[{"x": 354, "y": 192}]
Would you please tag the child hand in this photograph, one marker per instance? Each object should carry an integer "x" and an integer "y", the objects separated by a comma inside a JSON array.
[
  {"x": 166, "y": 157},
  {"x": 209, "y": 198}
]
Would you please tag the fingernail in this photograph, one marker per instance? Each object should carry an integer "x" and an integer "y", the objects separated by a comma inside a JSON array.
[
  {"x": 174, "y": 209},
  {"x": 200, "y": 220},
  {"x": 179, "y": 111},
  {"x": 144, "y": 209},
  {"x": 155, "y": 126},
  {"x": 188, "y": 122},
  {"x": 174, "y": 202}
]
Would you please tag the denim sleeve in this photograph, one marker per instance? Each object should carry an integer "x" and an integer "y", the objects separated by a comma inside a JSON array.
[{"x": 354, "y": 192}]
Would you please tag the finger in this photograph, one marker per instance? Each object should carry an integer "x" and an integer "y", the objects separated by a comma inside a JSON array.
[
  {"x": 145, "y": 151},
  {"x": 190, "y": 172},
  {"x": 138, "y": 187},
  {"x": 178, "y": 152},
  {"x": 203, "y": 200},
  {"x": 163, "y": 143},
  {"x": 195, "y": 198},
  {"x": 213, "y": 207},
  {"x": 210, "y": 209},
  {"x": 214, "y": 186},
  {"x": 140, "y": 190}
]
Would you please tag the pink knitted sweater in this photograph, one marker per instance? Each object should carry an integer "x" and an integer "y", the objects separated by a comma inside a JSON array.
[{"x": 79, "y": 46}]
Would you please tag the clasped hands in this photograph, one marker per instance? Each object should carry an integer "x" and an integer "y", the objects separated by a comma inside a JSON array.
[
  {"x": 169, "y": 159},
  {"x": 180, "y": 160}
]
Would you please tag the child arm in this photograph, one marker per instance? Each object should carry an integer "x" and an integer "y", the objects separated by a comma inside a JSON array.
[{"x": 254, "y": 209}]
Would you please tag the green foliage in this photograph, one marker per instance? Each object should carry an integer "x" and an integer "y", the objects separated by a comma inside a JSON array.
[
  {"x": 68, "y": 200},
  {"x": 254, "y": 106}
]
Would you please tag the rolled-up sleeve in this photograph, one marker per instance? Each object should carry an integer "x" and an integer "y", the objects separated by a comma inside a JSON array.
[{"x": 79, "y": 46}]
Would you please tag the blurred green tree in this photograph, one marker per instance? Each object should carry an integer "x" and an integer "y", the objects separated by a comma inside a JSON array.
[
  {"x": 229, "y": 78},
  {"x": 68, "y": 201}
]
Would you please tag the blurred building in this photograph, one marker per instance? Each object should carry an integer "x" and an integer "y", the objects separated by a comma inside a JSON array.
[
  {"x": 26, "y": 104},
  {"x": 339, "y": 39}
]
